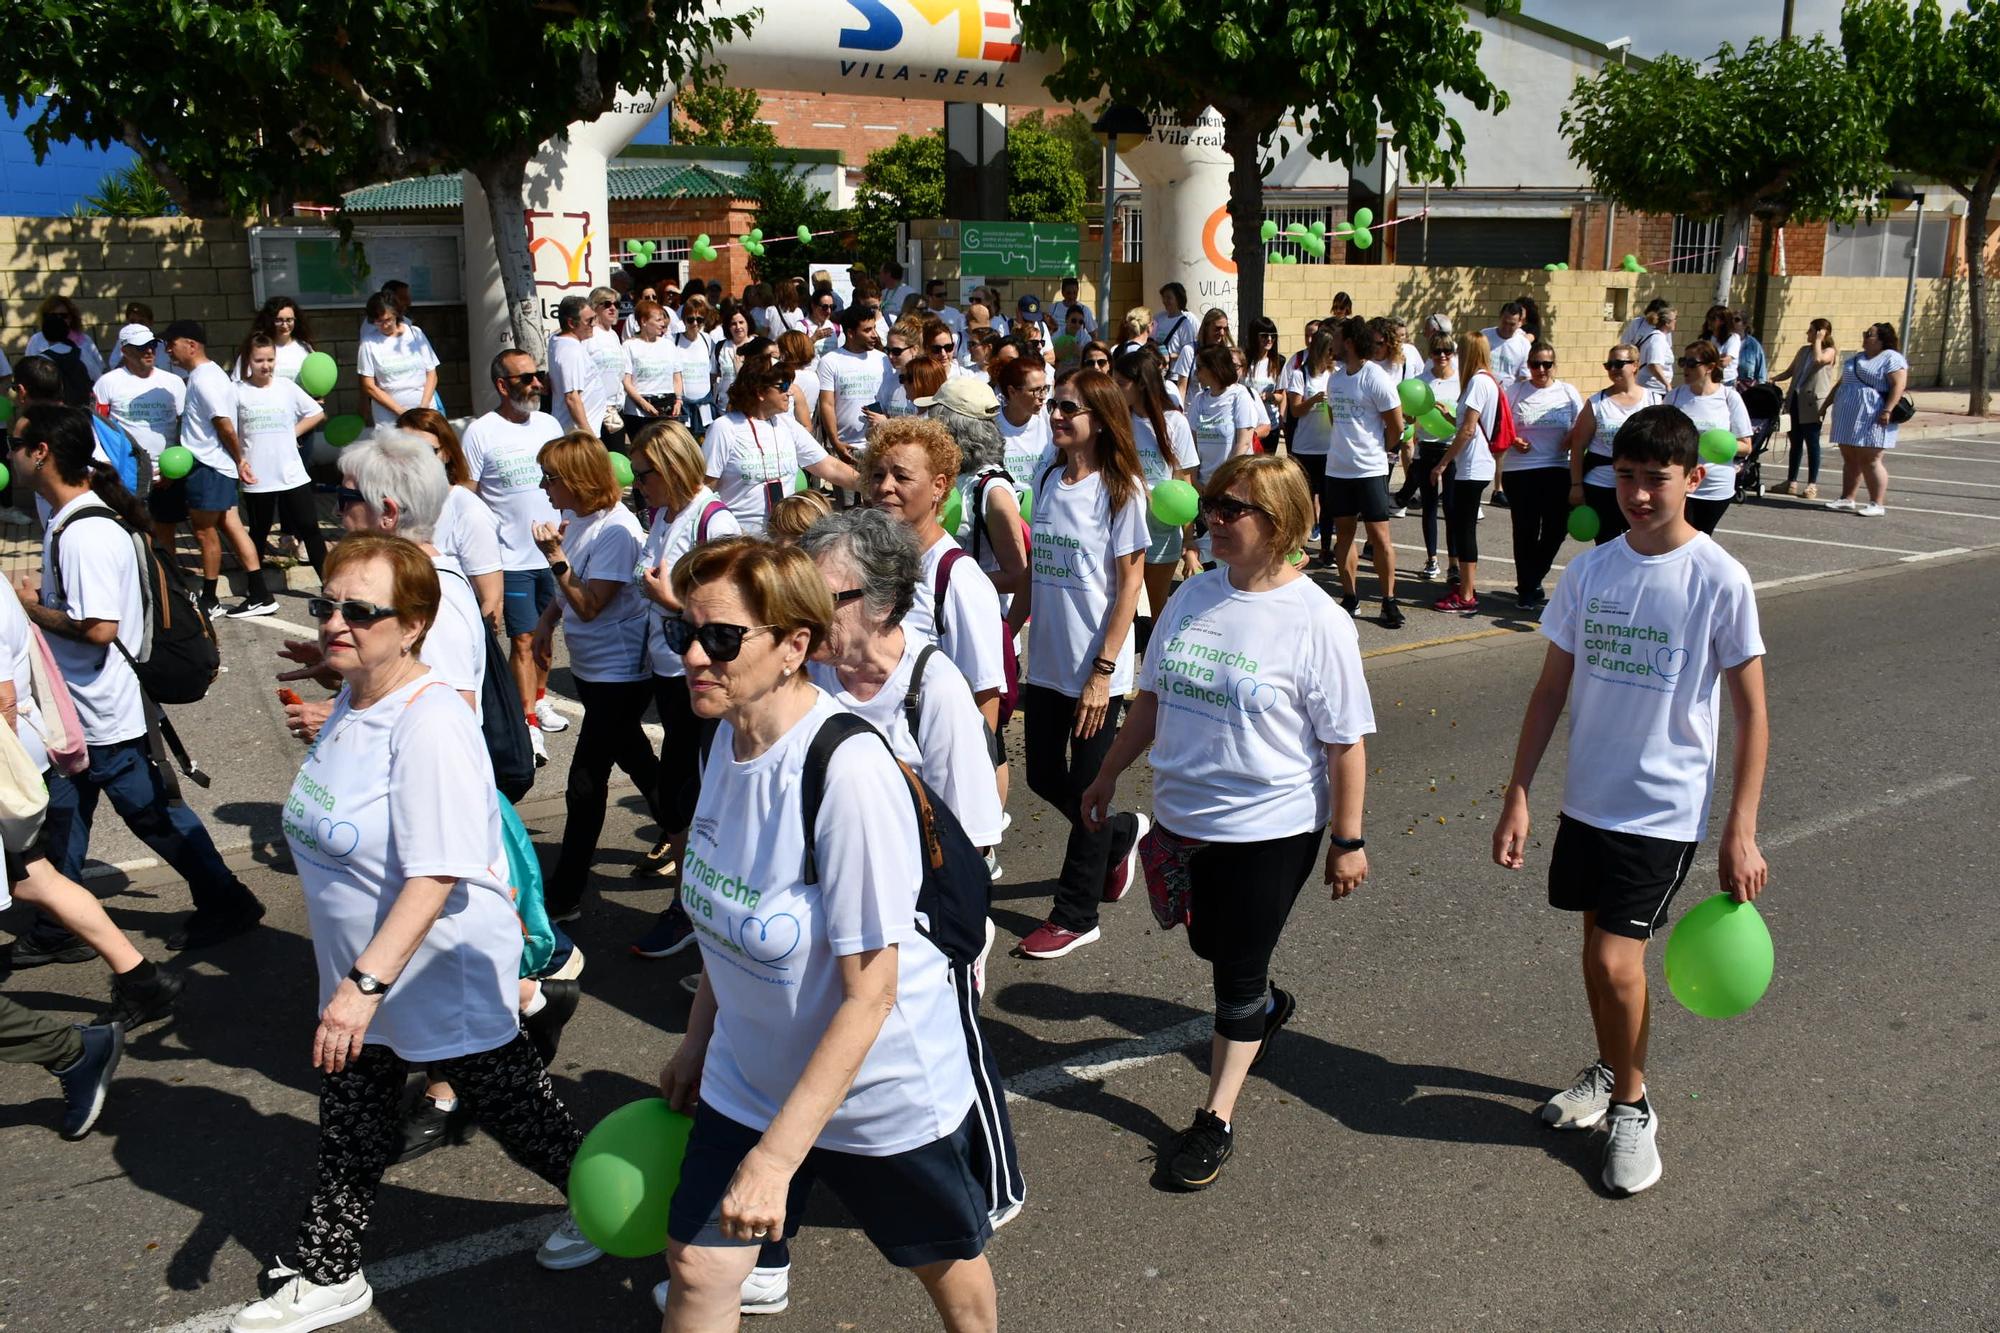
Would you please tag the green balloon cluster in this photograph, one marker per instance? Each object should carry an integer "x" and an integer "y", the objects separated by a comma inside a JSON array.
[
  {"x": 1175, "y": 503},
  {"x": 1417, "y": 397},
  {"x": 344, "y": 430},
  {"x": 753, "y": 242},
  {"x": 623, "y": 1178},
  {"x": 1267, "y": 232},
  {"x": 702, "y": 249},
  {"x": 1584, "y": 523},
  {"x": 317, "y": 374},
  {"x": 1718, "y": 445},
  {"x": 621, "y": 470},
  {"x": 952, "y": 515},
  {"x": 641, "y": 252},
  {"x": 1556, "y": 268},
  {"x": 176, "y": 462},
  {"x": 1631, "y": 264},
  {"x": 1719, "y": 959}
]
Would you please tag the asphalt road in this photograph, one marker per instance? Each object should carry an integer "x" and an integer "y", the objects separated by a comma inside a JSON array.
[{"x": 1829, "y": 1157}]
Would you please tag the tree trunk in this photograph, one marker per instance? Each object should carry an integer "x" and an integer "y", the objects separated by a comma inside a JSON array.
[
  {"x": 1980, "y": 204},
  {"x": 502, "y": 180},
  {"x": 1735, "y": 232},
  {"x": 1764, "y": 249},
  {"x": 1243, "y": 139}
]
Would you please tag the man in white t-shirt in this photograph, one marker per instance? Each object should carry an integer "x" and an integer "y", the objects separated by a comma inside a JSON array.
[
  {"x": 1360, "y": 399},
  {"x": 503, "y": 453},
  {"x": 140, "y": 396},
  {"x": 576, "y": 386},
  {"x": 850, "y": 379},
  {"x": 1642, "y": 631},
  {"x": 940, "y": 308},
  {"x": 205, "y": 499},
  {"x": 1059, "y": 310},
  {"x": 894, "y": 290},
  {"x": 1508, "y": 344}
]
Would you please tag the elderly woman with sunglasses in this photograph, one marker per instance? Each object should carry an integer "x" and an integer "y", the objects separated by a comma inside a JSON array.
[
  {"x": 825, "y": 1042},
  {"x": 394, "y": 827},
  {"x": 1712, "y": 404},
  {"x": 754, "y": 451},
  {"x": 1255, "y": 704},
  {"x": 1537, "y": 471},
  {"x": 1591, "y": 479}
]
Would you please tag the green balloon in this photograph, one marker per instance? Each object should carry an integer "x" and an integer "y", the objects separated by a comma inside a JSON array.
[
  {"x": 1027, "y": 504},
  {"x": 1361, "y": 240},
  {"x": 176, "y": 462},
  {"x": 800, "y": 481},
  {"x": 1267, "y": 231},
  {"x": 1318, "y": 227},
  {"x": 1364, "y": 218},
  {"x": 1344, "y": 229},
  {"x": 1719, "y": 959},
  {"x": 1314, "y": 246},
  {"x": 1630, "y": 263},
  {"x": 1175, "y": 502},
  {"x": 1296, "y": 230},
  {"x": 317, "y": 374},
  {"x": 344, "y": 430},
  {"x": 1435, "y": 423},
  {"x": 6, "y": 408},
  {"x": 805, "y": 234},
  {"x": 1718, "y": 445},
  {"x": 5, "y": 476},
  {"x": 1584, "y": 524},
  {"x": 621, "y": 470},
  {"x": 1417, "y": 397},
  {"x": 1548, "y": 268},
  {"x": 624, "y": 1175},
  {"x": 953, "y": 513}
]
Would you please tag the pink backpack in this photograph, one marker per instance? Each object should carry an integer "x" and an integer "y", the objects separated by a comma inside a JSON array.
[{"x": 62, "y": 729}]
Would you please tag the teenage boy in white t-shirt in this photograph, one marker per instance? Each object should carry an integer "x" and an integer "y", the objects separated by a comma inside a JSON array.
[{"x": 1642, "y": 632}]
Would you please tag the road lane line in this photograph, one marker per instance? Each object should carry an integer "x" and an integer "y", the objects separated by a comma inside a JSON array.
[
  {"x": 1814, "y": 828},
  {"x": 1100, "y": 1063},
  {"x": 1949, "y": 481},
  {"x": 1946, "y": 458},
  {"x": 1495, "y": 632},
  {"x": 1819, "y": 541},
  {"x": 1944, "y": 513}
]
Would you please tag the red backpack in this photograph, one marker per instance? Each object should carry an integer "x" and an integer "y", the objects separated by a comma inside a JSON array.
[{"x": 1505, "y": 436}]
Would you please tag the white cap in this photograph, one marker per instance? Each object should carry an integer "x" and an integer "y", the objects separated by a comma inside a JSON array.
[{"x": 136, "y": 335}]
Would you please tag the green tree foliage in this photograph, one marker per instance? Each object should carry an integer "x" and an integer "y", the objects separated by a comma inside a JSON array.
[
  {"x": 786, "y": 199},
  {"x": 1043, "y": 183},
  {"x": 130, "y": 192},
  {"x": 1778, "y": 128},
  {"x": 1344, "y": 69},
  {"x": 1936, "y": 91},
  {"x": 899, "y": 183},
  {"x": 707, "y": 115},
  {"x": 1086, "y": 150}
]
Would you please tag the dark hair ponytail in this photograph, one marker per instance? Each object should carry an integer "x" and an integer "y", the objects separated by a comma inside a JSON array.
[{"x": 71, "y": 440}]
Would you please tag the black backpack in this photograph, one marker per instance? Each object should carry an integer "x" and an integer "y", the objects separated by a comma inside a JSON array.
[
  {"x": 72, "y": 374},
  {"x": 501, "y": 718},
  {"x": 178, "y": 657},
  {"x": 957, "y": 888}
]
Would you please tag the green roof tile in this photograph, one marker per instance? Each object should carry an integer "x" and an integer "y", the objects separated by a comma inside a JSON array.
[{"x": 648, "y": 181}]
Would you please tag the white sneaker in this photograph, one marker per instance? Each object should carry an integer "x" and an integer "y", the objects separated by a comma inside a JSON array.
[
  {"x": 979, "y": 963},
  {"x": 567, "y": 1248},
  {"x": 1482, "y": 513},
  {"x": 547, "y": 714},
  {"x": 1583, "y": 1103},
  {"x": 1632, "y": 1151},
  {"x": 1871, "y": 510},
  {"x": 765, "y": 1291},
  {"x": 300, "y": 1305},
  {"x": 539, "y": 746},
  {"x": 1842, "y": 506},
  {"x": 993, "y": 870}
]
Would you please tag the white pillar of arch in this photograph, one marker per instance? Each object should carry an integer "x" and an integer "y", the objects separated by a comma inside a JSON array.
[{"x": 1184, "y": 189}]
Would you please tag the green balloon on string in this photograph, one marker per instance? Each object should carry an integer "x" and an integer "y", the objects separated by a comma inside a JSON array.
[
  {"x": 1318, "y": 227},
  {"x": 623, "y": 1177},
  {"x": 805, "y": 234},
  {"x": 1267, "y": 231},
  {"x": 1175, "y": 503},
  {"x": 1027, "y": 504},
  {"x": 1344, "y": 230},
  {"x": 1584, "y": 523},
  {"x": 1719, "y": 959},
  {"x": 1718, "y": 446},
  {"x": 702, "y": 249},
  {"x": 1361, "y": 240},
  {"x": 1364, "y": 218},
  {"x": 317, "y": 374},
  {"x": 952, "y": 515},
  {"x": 1630, "y": 263},
  {"x": 1314, "y": 245}
]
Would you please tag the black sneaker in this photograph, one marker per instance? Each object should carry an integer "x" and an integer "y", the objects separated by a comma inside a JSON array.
[
  {"x": 545, "y": 1026},
  {"x": 670, "y": 934},
  {"x": 1283, "y": 1006},
  {"x": 40, "y": 948},
  {"x": 134, "y": 1005},
  {"x": 203, "y": 929},
  {"x": 86, "y": 1081},
  {"x": 1350, "y": 604},
  {"x": 657, "y": 862},
  {"x": 1392, "y": 615},
  {"x": 268, "y": 606},
  {"x": 429, "y": 1126},
  {"x": 1196, "y": 1160}
]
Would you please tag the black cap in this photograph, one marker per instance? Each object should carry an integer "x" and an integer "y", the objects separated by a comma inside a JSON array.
[{"x": 186, "y": 328}]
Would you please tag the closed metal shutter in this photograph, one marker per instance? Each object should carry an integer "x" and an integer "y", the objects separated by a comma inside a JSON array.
[{"x": 1486, "y": 242}]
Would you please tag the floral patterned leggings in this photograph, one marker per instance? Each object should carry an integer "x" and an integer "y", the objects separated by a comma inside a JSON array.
[{"x": 360, "y": 1134}]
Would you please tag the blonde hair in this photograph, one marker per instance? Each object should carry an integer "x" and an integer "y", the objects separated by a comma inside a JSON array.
[
  {"x": 670, "y": 447},
  {"x": 791, "y": 516},
  {"x": 1276, "y": 486},
  {"x": 780, "y": 585},
  {"x": 581, "y": 462},
  {"x": 1137, "y": 325},
  {"x": 1473, "y": 356}
]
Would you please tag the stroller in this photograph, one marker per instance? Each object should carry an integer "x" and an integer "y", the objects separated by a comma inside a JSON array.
[{"x": 1765, "y": 404}]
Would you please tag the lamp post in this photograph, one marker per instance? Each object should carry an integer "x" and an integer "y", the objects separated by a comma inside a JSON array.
[
  {"x": 1623, "y": 46},
  {"x": 1123, "y": 128},
  {"x": 1905, "y": 192}
]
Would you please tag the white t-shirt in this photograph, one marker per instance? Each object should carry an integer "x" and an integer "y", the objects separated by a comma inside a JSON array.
[
  {"x": 1509, "y": 356},
  {"x": 670, "y": 538},
  {"x": 1355, "y": 403},
  {"x": 855, "y": 379},
  {"x": 770, "y": 943},
  {"x": 1216, "y": 418},
  {"x": 753, "y": 463},
  {"x": 100, "y": 581},
  {"x": 652, "y": 366},
  {"x": 1313, "y": 432},
  {"x": 1180, "y": 445},
  {"x": 1481, "y": 397},
  {"x": 1415, "y": 363},
  {"x": 779, "y": 321},
  {"x": 455, "y": 646},
  {"x": 950, "y": 750},
  {"x": 611, "y": 646},
  {"x": 1635, "y": 330},
  {"x": 209, "y": 395},
  {"x": 15, "y": 646},
  {"x": 1722, "y": 408},
  {"x": 607, "y": 353},
  {"x": 571, "y": 370},
  {"x": 1071, "y": 565},
  {"x": 1172, "y": 332},
  {"x": 398, "y": 365},
  {"x": 1181, "y": 371},
  {"x": 1542, "y": 418},
  {"x": 1059, "y": 316},
  {"x": 1445, "y": 390},
  {"x": 1252, "y": 688},
  {"x": 692, "y": 356},
  {"x": 291, "y": 357},
  {"x": 93, "y": 360},
  {"x": 1656, "y": 350},
  {"x": 1652, "y": 636},
  {"x": 1605, "y": 418},
  {"x": 502, "y": 457},
  {"x": 388, "y": 793},
  {"x": 267, "y": 427},
  {"x": 1024, "y": 445},
  {"x": 970, "y": 630},
  {"x": 468, "y": 532},
  {"x": 147, "y": 406},
  {"x": 1730, "y": 347}
]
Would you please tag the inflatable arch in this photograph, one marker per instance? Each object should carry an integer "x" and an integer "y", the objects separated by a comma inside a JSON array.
[{"x": 942, "y": 50}]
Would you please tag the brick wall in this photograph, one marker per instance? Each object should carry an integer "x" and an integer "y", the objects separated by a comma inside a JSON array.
[
  {"x": 856, "y": 126},
  {"x": 723, "y": 219}
]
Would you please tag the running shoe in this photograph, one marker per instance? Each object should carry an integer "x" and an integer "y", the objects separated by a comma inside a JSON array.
[
  {"x": 1583, "y": 1103},
  {"x": 39, "y": 949},
  {"x": 1196, "y": 1159},
  {"x": 1632, "y": 1150},
  {"x": 1842, "y": 506},
  {"x": 246, "y": 608},
  {"x": 134, "y": 1005},
  {"x": 1350, "y": 604},
  {"x": 1482, "y": 513},
  {"x": 212, "y": 607},
  {"x": 1453, "y": 604},
  {"x": 993, "y": 870},
  {"x": 1400, "y": 511},
  {"x": 429, "y": 1127},
  {"x": 1392, "y": 614},
  {"x": 1283, "y": 1006},
  {"x": 545, "y": 1026},
  {"x": 765, "y": 1291},
  {"x": 536, "y": 744},
  {"x": 549, "y": 715},
  {"x": 1125, "y": 868},
  {"x": 1871, "y": 510},
  {"x": 567, "y": 1247},
  {"x": 1049, "y": 940},
  {"x": 88, "y": 1077},
  {"x": 296, "y": 1304},
  {"x": 657, "y": 862},
  {"x": 672, "y": 933},
  {"x": 1431, "y": 570}
]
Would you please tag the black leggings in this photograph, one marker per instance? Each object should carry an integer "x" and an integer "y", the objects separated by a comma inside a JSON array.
[
  {"x": 1461, "y": 518},
  {"x": 686, "y": 737},
  {"x": 1428, "y": 457},
  {"x": 294, "y": 512},
  {"x": 1540, "y": 513},
  {"x": 1059, "y": 768},
  {"x": 361, "y": 1132},
  {"x": 1243, "y": 892},
  {"x": 1611, "y": 524},
  {"x": 1314, "y": 466},
  {"x": 611, "y": 733},
  {"x": 1705, "y": 514}
]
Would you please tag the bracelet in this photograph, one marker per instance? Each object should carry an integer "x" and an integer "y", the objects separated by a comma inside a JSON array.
[
  {"x": 1347, "y": 844},
  {"x": 1104, "y": 666}
]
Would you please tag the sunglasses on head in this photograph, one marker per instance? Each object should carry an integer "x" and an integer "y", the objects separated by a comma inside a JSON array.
[
  {"x": 1615, "y": 365},
  {"x": 352, "y": 611},
  {"x": 720, "y": 642},
  {"x": 1227, "y": 508},
  {"x": 1068, "y": 407}
]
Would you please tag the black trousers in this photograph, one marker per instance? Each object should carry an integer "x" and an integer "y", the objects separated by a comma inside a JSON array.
[
  {"x": 1428, "y": 457},
  {"x": 1060, "y": 767},
  {"x": 1540, "y": 513},
  {"x": 1243, "y": 894},
  {"x": 361, "y": 1132},
  {"x": 686, "y": 738},
  {"x": 294, "y": 512},
  {"x": 1706, "y": 514},
  {"x": 612, "y": 732},
  {"x": 1461, "y": 518}
]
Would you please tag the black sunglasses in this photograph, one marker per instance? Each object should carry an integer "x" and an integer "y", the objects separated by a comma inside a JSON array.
[
  {"x": 721, "y": 642},
  {"x": 1690, "y": 362},
  {"x": 352, "y": 611},
  {"x": 784, "y": 385},
  {"x": 1541, "y": 365},
  {"x": 525, "y": 377},
  {"x": 346, "y": 496},
  {"x": 944, "y": 347},
  {"x": 1614, "y": 365},
  {"x": 1068, "y": 407},
  {"x": 849, "y": 595},
  {"x": 1227, "y": 508}
]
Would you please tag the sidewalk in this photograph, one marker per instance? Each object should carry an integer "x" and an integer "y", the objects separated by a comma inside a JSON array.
[{"x": 1946, "y": 411}]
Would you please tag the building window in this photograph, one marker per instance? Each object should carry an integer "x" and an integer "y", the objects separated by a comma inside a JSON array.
[
  {"x": 1880, "y": 248},
  {"x": 1697, "y": 244},
  {"x": 1131, "y": 224},
  {"x": 674, "y": 249},
  {"x": 1305, "y": 215}
]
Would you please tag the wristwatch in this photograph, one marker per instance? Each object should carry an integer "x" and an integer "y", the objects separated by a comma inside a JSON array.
[
  {"x": 1347, "y": 844},
  {"x": 558, "y": 567},
  {"x": 373, "y": 987}
]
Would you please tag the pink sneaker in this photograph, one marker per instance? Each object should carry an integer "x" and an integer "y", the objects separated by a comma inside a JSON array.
[
  {"x": 1049, "y": 940},
  {"x": 1453, "y": 604},
  {"x": 1126, "y": 868}
]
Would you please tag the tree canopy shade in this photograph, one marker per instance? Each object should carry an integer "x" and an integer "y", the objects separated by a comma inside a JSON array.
[
  {"x": 239, "y": 108},
  {"x": 708, "y": 115},
  {"x": 1779, "y": 128},
  {"x": 1343, "y": 70},
  {"x": 1937, "y": 93}
]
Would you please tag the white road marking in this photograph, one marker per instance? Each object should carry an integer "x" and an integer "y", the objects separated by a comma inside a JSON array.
[
  {"x": 1095, "y": 1066},
  {"x": 1816, "y": 541},
  {"x": 309, "y": 631},
  {"x": 1949, "y": 481},
  {"x": 1824, "y": 824},
  {"x": 1942, "y": 513}
]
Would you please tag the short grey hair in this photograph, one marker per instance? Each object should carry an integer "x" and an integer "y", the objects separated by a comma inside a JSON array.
[
  {"x": 397, "y": 464},
  {"x": 883, "y": 552},
  {"x": 978, "y": 438}
]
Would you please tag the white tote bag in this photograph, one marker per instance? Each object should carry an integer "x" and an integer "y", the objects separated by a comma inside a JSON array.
[{"x": 24, "y": 797}]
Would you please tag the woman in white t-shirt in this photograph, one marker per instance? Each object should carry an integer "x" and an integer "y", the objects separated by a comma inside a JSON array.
[
  {"x": 1221, "y": 411},
  {"x": 734, "y": 333},
  {"x": 397, "y": 367},
  {"x": 1591, "y": 478},
  {"x": 1023, "y": 389},
  {"x": 754, "y": 452},
  {"x": 394, "y": 827},
  {"x": 1442, "y": 377},
  {"x": 468, "y": 531},
  {"x": 1167, "y": 451},
  {"x": 1305, "y": 386},
  {"x": 1264, "y": 368},
  {"x": 272, "y": 416},
  {"x": 1255, "y": 705},
  {"x": 1537, "y": 471},
  {"x": 594, "y": 555},
  {"x": 1712, "y": 404},
  {"x": 1083, "y": 592},
  {"x": 1656, "y": 350},
  {"x": 990, "y": 526},
  {"x": 652, "y": 368},
  {"x": 694, "y": 349},
  {"x": 1863, "y": 416},
  {"x": 1465, "y": 471},
  {"x": 798, "y": 357},
  {"x": 1719, "y": 327},
  {"x": 827, "y": 1040},
  {"x": 786, "y": 313},
  {"x": 281, "y": 320},
  {"x": 1399, "y": 361}
]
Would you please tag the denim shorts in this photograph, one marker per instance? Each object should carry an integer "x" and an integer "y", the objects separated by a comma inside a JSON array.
[
  {"x": 528, "y": 593},
  {"x": 202, "y": 490}
]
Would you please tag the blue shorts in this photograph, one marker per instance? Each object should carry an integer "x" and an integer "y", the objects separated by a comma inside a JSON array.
[
  {"x": 924, "y": 1206},
  {"x": 202, "y": 490},
  {"x": 528, "y": 594}
]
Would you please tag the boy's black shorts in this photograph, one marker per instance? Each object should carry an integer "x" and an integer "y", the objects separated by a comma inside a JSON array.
[{"x": 1626, "y": 878}]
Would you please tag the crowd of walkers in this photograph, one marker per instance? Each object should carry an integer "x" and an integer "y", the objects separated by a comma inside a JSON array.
[{"x": 842, "y": 520}]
